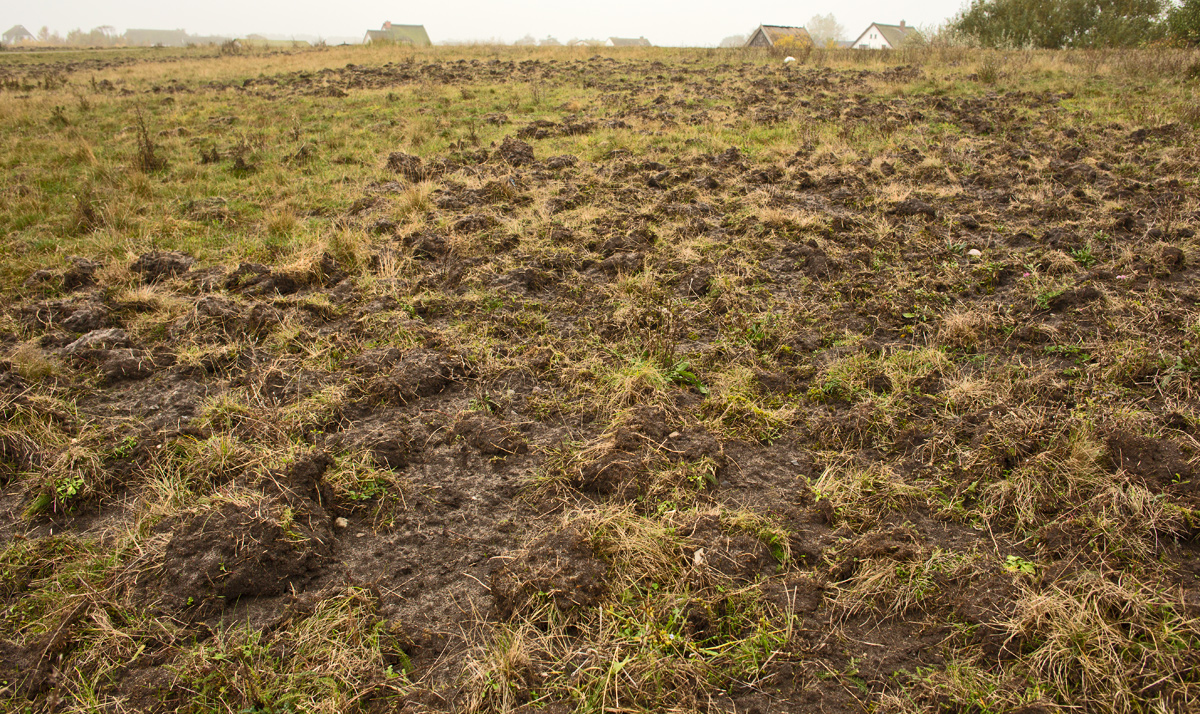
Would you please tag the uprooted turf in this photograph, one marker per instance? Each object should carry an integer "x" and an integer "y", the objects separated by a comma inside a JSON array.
[{"x": 371, "y": 379}]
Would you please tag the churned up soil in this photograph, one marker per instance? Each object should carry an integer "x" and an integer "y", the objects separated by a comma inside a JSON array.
[{"x": 487, "y": 379}]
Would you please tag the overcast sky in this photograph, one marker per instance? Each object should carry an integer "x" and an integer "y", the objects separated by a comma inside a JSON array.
[{"x": 663, "y": 22}]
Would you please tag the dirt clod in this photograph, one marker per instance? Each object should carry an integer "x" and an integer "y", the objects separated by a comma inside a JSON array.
[
  {"x": 158, "y": 265},
  {"x": 559, "y": 567},
  {"x": 914, "y": 207},
  {"x": 622, "y": 263},
  {"x": 81, "y": 274},
  {"x": 515, "y": 152},
  {"x": 489, "y": 436},
  {"x": 409, "y": 166},
  {"x": 250, "y": 549},
  {"x": 420, "y": 373}
]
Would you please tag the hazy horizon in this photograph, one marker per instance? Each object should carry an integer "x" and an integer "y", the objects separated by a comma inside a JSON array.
[{"x": 663, "y": 22}]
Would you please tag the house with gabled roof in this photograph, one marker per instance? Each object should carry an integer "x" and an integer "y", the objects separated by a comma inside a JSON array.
[
  {"x": 628, "y": 42},
  {"x": 776, "y": 35},
  {"x": 885, "y": 37},
  {"x": 398, "y": 35},
  {"x": 16, "y": 35}
]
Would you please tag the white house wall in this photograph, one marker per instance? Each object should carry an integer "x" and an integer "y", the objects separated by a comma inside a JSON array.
[{"x": 872, "y": 39}]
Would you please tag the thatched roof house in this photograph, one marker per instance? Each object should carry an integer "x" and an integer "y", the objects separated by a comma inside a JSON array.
[
  {"x": 772, "y": 35},
  {"x": 628, "y": 42},
  {"x": 398, "y": 35},
  {"x": 885, "y": 37},
  {"x": 16, "y": 35}
]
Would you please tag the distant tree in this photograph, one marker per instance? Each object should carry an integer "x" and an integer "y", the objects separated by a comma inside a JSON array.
[
  {"x": 45, "y": 36},
  {"x": 550, "y": 42},
  {"x": 733, "y": 41},
  {"x": 103, "y": 36},
  {"x": 527, "y": 40},
  {"x": 825, "y": 29},
  {"x": 1055, "y": 24},
  {"x": 1183, "y": 22}
]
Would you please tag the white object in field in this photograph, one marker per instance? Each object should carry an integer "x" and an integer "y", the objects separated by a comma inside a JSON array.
[
  {"x": 788, "y": 59},
  {"x": 974, "y": 253}
]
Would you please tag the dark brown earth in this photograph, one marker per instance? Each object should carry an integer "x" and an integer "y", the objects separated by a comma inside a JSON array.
[{"x": 471, "y": 431}]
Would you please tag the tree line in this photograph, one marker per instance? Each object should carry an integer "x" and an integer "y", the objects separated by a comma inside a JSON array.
[{"x": 1060, "y": 24}]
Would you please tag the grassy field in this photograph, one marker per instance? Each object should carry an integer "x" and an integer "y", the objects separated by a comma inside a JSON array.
[{"x": 494, "y": 380}]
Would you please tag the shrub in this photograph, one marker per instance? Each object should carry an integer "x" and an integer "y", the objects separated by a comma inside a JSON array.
[
  {"x": 1183, "y": 23},
  {"x": 1059, "y": 24}
]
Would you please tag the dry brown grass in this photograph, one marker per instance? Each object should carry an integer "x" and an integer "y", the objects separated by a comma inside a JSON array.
[{"x": 818, "y": 372}]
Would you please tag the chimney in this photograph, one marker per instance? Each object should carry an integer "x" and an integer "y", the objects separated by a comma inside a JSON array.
[
  {"x": 902, "y": 24},
  {"x": 388, "y": 25}
]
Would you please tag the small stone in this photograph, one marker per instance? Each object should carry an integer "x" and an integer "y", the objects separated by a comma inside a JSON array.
[
  {"x": 672, "y": 435},
  {"x": 341, "y": 522},
  {"x": 974, "y": 253}
]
